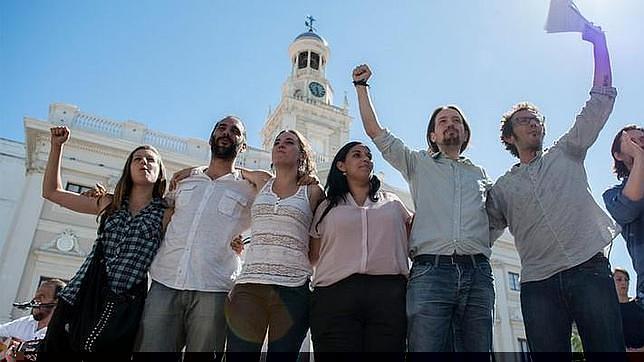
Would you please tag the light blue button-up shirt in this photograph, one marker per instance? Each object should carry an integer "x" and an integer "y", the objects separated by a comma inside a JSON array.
[{"x": 449, "y": 197}]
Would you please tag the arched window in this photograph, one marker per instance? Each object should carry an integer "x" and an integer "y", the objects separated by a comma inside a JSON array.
[
  {"x": 315, "y": 60},
  {"x": 302, "y": 60}
]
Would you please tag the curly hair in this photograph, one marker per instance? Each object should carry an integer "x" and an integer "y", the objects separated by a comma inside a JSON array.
[{"x": 507, "y": 129}]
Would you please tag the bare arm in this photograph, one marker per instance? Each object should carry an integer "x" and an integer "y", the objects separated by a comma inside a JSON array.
[
  {"x": 316, "y": 195},
  {"x": 362, "y": 73},
  {"x": 257, "y": 178},
  {"x": 314, "y": 251},
  {"x": 52, "y": 187},
  {"x": 183, "y": 174},
  {"x": 602, "y": 75},
  {"x": 167, "y": 216}
]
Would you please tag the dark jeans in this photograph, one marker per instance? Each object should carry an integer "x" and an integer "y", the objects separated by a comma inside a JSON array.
[
  {"x": 252, "y": 308},
  {"x": 361, "y": 313},
  {"x": 450, "y": 304},
  {"x": 584, "y": 294}
]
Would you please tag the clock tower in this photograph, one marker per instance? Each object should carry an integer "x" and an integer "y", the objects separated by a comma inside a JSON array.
[{"x": 307, "y": 100}]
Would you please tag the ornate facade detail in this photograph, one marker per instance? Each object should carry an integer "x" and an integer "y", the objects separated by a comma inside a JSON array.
[{"x": 65, "y": 243}]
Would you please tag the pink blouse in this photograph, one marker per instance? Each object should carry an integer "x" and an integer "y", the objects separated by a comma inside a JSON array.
[{"x": 369, "y": 239}]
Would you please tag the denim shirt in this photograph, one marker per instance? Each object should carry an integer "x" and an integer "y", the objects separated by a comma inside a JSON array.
[
  {"x": 547, "y": 205},
  {"x": 628, "y": 214}
]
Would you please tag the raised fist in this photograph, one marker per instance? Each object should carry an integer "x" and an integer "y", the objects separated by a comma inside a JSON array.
[
  {"x": 59, "y": 135},
  {"x": 361, "y": 73}
]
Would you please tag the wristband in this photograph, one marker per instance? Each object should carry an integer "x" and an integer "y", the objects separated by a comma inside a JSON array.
[{"x": 361, "y": 82}]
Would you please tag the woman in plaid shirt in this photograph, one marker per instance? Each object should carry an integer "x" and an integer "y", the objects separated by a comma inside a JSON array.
[{"x": 132, "y": 221}]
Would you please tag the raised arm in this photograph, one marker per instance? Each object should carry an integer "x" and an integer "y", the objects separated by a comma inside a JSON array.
[
  {"x": 52, "y": 187},
  {"x": 593, "y": 116},
  {"x": 602, "y": 76},
  {"x": 361, "y": 75}
]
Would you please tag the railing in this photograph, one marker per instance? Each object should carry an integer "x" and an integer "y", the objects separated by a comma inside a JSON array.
[
  {"x": 97, "y": 124},
  {"x": 164, "y": 141}
]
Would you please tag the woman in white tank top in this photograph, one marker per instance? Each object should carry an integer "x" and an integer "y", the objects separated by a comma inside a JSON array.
[{"x": 272, "y": 291}]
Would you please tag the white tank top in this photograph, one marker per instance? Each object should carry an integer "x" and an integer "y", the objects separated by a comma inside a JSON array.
[{"x": 278, "y": 252}]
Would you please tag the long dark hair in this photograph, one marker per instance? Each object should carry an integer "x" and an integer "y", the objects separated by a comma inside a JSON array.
[
  {"x": 337, "y": 186},
  {"x": 124, "y": 185},
  {"x": 432, "y": 125}
]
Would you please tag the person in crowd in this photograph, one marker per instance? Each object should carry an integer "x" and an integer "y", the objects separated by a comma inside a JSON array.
[
  {"x": 632, "y": 313},
  {"x": 625, "y": 202},
  {"x": 272, "y": 291},
  {"x": 43, "y": 304},
  {"x": 359, "y": 250},
  {"x": 558, "y": 228},
  {"x": 193, "y": 270},
  {"x": 100, "y": 308},
  {"x": 450, "y": 295}
]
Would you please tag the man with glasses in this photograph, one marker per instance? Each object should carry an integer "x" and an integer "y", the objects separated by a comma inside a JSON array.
[
  {"x": 34, "y": 326},
  {"x": 558, "y": 228}
]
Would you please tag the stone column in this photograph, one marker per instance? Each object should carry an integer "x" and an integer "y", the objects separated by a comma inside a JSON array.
[{"x": 15, "y": 252}]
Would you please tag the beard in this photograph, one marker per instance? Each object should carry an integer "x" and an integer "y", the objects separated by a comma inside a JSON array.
[
  {"x": 224, "y": 152},
  {"x": 453, "y": 139}
]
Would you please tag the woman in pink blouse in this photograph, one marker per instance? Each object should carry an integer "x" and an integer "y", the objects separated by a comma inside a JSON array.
[{"x": 359, "y": 253}]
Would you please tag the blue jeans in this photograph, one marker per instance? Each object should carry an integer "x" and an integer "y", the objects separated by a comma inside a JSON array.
[
  {"x": 449, "y": 305},
  {"x": 251, "y": 309},
  {"x": 584, "y": 294}
]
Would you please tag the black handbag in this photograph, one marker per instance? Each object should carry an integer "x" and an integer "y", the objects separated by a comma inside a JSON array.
[{"x": 104, "y": 321}]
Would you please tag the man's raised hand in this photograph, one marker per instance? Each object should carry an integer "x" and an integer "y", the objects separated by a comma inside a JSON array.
[{"x": 361, "y": 73}]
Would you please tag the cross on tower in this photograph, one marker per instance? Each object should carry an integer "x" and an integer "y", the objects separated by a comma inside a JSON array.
[{"x": 309, "y": 22}]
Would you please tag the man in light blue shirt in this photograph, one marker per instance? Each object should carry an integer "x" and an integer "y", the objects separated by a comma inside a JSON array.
[{"x": 450, "y": 293}]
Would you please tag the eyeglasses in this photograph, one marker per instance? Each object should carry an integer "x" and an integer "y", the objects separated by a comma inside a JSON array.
[{"x": 524, "y": 121}]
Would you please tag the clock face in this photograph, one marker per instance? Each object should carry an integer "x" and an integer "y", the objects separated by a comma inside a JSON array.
[{"x": 317, "y": 89}]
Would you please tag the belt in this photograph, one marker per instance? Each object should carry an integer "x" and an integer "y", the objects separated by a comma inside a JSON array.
[{"x": 450, "y": 259}]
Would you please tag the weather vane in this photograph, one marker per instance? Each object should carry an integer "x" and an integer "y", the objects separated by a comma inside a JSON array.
[{"x": 309, "y": 22}]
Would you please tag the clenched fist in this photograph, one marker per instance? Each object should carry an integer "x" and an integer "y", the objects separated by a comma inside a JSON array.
[
  {"x": 59, "y": 135},
  {"x": 361, "y": 73}
]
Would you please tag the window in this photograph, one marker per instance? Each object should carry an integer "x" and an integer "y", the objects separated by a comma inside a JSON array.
[
  {"x": 513, "y": 278},
  {"x": 76, "y": 188},
  {"x": 315, "y": 60},
  {"x": 302, "y": 60}
]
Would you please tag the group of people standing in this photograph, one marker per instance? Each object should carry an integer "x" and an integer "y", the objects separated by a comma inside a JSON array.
[{"x": 335, "y": 260}]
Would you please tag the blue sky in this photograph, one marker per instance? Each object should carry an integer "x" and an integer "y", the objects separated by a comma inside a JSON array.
[{"x": 177, "y": 66}]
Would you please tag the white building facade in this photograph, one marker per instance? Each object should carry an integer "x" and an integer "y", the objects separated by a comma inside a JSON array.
[{"x": 40, "y": 240}]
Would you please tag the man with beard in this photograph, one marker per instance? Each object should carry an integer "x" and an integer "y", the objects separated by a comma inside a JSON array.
[
  {"x": 192, "y": 271},
  {"x": 559, "y": 230},
  {"x": 34, "y": 326},
  {"x": 450, "y": 293}
]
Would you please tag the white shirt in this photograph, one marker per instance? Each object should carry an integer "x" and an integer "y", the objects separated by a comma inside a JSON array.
[
  {"x": 278, "y": 252},
  {"x": 195, "y": 253},
  {"x": 25, "y": 328}
]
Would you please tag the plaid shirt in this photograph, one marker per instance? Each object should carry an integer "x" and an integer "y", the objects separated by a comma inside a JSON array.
[{"x": 129, "y": 245}]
